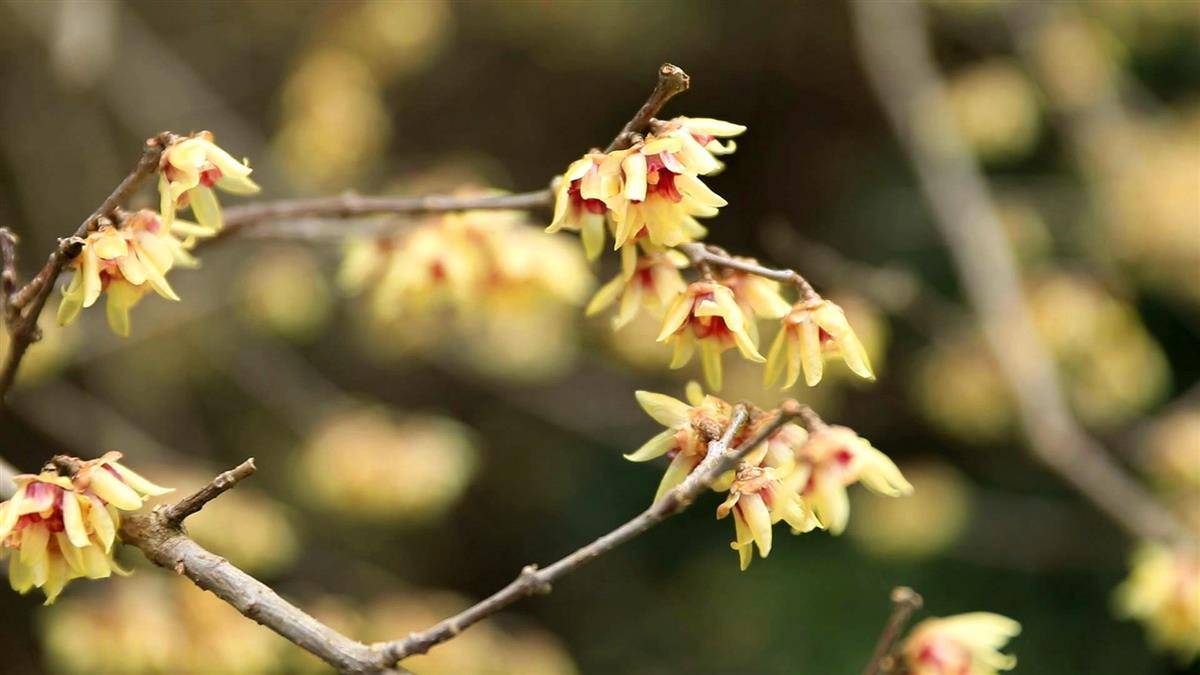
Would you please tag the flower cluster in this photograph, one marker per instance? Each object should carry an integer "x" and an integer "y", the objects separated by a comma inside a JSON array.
[
  {"x": 965, "y": 644},
  {"x": 1163, "y": 592},
  {"x": 132, "y": 257},
  {"x": 58, "y": 528},
  {"x": 797, "y": 475}
]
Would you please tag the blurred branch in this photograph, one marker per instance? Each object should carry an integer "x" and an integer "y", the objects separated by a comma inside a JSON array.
[
  {"x": 895, "y": 48},
  {"x": 720, "y": 459},
  {"x": 161, "y": 538},
  {"x": 707, "y": 255},
  {"x": 671, "y": 81},
  {"x": 24, "y": 305},
  {"x": 905, "y": 601},
  {"x": 8, "y": 275}
]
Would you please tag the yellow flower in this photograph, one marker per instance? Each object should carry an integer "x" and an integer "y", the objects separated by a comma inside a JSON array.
[
  {"x": 965, "y": 644},
  {"x": 815, "y": 329},
  {"x": 59, "y": 529},
  {"x": 661, "y": 195},
  {"x": 126, "y": 262},
  {"x": 689, "y": 427},
  {"x": 582, "y": 199},
  {"x": 188, "y": 172},
  {"x": 707, "y": 314},
  {"x": 833, "y": 458},
  {"x": 1163, "y": 592},
  {"x": 758, "y": 500},
  {"x": 651, "y": 280},
  {"x": 758, "y": 297}
]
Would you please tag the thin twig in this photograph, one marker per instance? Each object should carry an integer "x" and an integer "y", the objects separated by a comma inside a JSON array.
[
  {"x": 161, "y": 538},
  {"x": 350, "y": 205},
  {"x": 29, "y": 300},
  {"x": 671, "y": 81},
  {"x": 704, "y": 254},
  {"x": 905, "y": 601},
  {"x": 894, "y": 43},
  {"x": 719, "y": 460},
  {"x": 8, "y": 275}
]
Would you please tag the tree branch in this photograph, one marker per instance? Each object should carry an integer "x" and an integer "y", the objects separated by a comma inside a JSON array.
[
  {"x": 8, "y": 275},
  {"x": 905, "y": 601},
  {"x": 25, "y": 304},
  {"x": 720, "y": 459},
  {"x": 705, "y": 254},
  {"x": 671, "y": 81},
  {"x": 160, "y": 536},
  {"x": 895, "y": 49}
]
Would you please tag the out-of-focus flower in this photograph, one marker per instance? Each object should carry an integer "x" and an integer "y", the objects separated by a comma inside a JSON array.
[
  {"x": 188, "y": 172},
  {"x": 923, "y": 525},
  {"x": 814, "y": 330},
  {"x": 582, "y": 199},
  {"x": 689, "y": 428},
  {"x": 1172, "y": 449},
  {"x": 707, "y": 314},
  {"x": 364, "y": 465},
  {"x": 1163, "y": 592},
  {"x": 60, "y": 528},
  {"x": 154, "y": 624},
  {"x": 758, "y": 499},
  {"x": 651, "y": 280},
  {"x": 964, "y": 644},
  {"x": 833, "y": 458},
  {"x": 959, "y": 387},
  {"x": 996, "y": 108},
  {"x": 124, "y": 263},
  {"x": 285, "y": 292}
]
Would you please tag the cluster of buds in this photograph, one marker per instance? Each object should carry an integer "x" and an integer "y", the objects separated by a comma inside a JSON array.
[
  {"x": 61, "y": 527},
  {"x": 965, "y": 644},
  {"x": 1163, "y": 592},
  {"x": 462, "y": 265},
  {"x": 796, "y": 475},
  {"x": 127, "y": 258},
  {"x": 649, "y": 192}
]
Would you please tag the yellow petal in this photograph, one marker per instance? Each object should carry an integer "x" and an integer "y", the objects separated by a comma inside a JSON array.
[
  {"x": 634, "y": 167},
  {"x": 136, "y": 481},
  {"x": 758, "y": 520},
  {"x": 710, "y": 359},
  {"x": 605, "y": 296},
  {"x": 684, "y": 346},
  {"x": 677, "y": 471},
  {"x": 34, "y": 539},
  {"x": 810, "y": 353},
  {"x": 73, "y": 520},
  {"x": 206, "y": 209},
  {"x": 666, "y": 410},
  {"x": 676, "y": 316},
  {"x": 592, "y": 233},
  {"x": 694, "y": 394},
  {"x": 776, "y": 359},
  {"x": 102, "y": 523},
  {"x": 653, "y": 448},
  {"x": 109, "y": 488}
]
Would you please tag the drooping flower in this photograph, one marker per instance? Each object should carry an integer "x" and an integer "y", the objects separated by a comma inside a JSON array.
[
  {"x": 582, "y": 200},
  {"x": 188, "y": 172},
  {"x": 661, "y": 195},
  {"x": 833, "y": 458},
  {"x": 758, "y": 500},
  {"x": 708, "y": 315},
  {"x": 965, "y": 644},
  {"x": 114, "y": 483},
  {"x": 125, "y": 263},
  {"x": 758, "y": 297},
  {"x": 704, "y": 132},
  {"x": 1163, "y": 592},
  {"x": 651, "y": 280},
  {"x": 689, "y": 428},
  {"x": 814, "y": 330}
]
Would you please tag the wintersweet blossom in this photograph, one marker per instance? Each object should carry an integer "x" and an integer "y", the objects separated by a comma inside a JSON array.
[
  {"x": 188, "y": 172},
  {"x": 689, "y": 428},
  {"x": 814, "y": 330},
  {"x": 651, "y": 280},
  {"x": 758, "y": 499},
  {"x": 704, "y": 132},
  {"x": 706, "y": 314},
  {"x": 1163, "y": 592},
  {"x": 56, "y": 528},
  {"x": 833, "y": 458},
  {"x": 124, "y": 263},
  {"x": 582, "y": 198},
  {"x": 965, "y": 644},
  {"x": 662, "y": 195},
  {"x": 759, "y": 297}
]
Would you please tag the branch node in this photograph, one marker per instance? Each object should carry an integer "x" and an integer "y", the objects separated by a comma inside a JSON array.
[{"x": 531, "y": 580}]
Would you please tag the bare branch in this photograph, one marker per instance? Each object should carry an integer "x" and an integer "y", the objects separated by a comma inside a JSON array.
[
  {"x": 671, "y": 81},
  {"x": 720, "y": 459},
  {"x": 705, "y": 254},
  {"x": 27, "y": 302},
  {"x": 163, "y": 541},
  {"x": 905, "y": 601},
  {"x": 895, "y": 48}
]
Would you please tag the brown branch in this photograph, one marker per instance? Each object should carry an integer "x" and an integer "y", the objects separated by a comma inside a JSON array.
[
  {"x": 905, "y": 601},
  {"x": 350, "y": 205},
  {"x": 894, "y": 44},
  {"x": 160, "y": 536},
  {"x": 671, "y": 81},
  {"x": 704, "y": 254},
  {"x": 28, "y": 301},
  {"x": 720, "y": 459}
]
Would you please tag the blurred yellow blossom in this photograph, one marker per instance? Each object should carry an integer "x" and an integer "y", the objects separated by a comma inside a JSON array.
[
  {"x": 1172, "y": 449},
  {"x": 996, "y": 108},
  {"x": 188, "y": 172},
  {"x": 964, "y": 644},
  {"x": 928, "y": 522},
  {"x": 814, "y": 330},
  {"x": 1163, "y": 592},
  {"x": 284, "y": 291},
  {"x": 651, "y": 280}
]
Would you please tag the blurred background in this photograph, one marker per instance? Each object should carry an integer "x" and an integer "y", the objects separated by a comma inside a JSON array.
[{"x": 410, "y": 465}]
